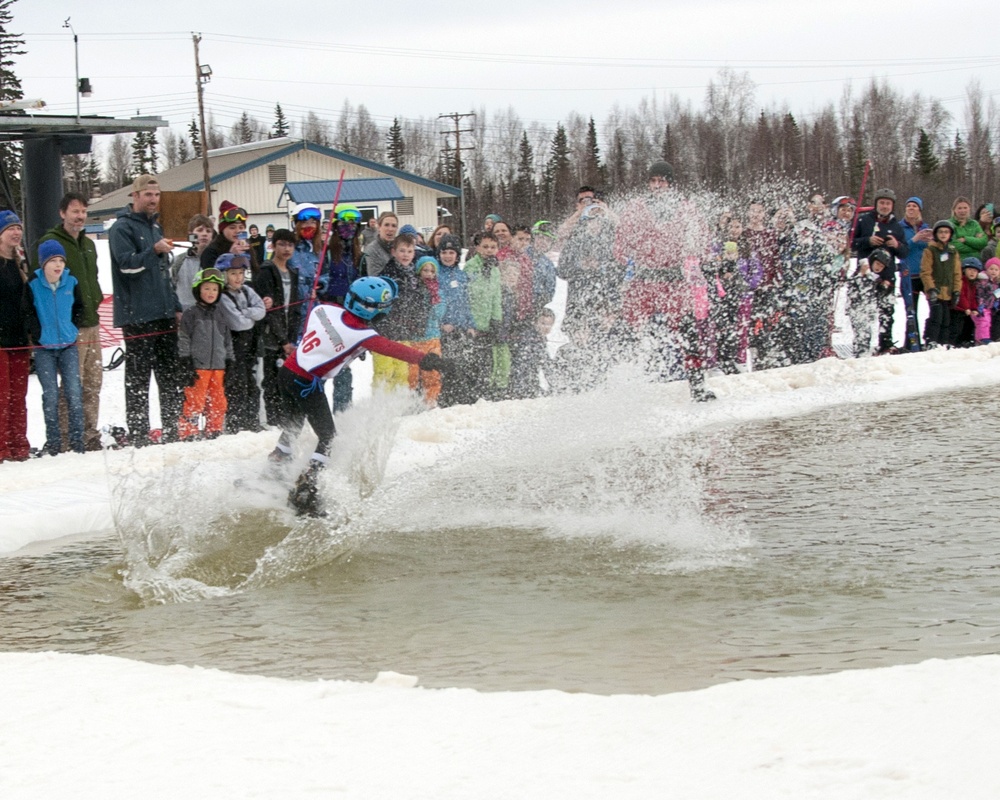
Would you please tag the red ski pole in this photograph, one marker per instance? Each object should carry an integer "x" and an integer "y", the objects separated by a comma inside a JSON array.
[
  {"x": 326, "y": 244},
  {"x": 857, "y": 208}
]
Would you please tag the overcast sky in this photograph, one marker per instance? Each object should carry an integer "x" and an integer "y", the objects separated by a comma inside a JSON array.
[{"x": 545, "y": 58}]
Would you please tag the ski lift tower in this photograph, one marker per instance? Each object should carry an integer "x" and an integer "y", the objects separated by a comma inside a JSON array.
[{"x": 47, "y": 138}]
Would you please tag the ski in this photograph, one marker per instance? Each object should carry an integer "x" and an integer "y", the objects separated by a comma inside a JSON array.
[{"x": 906, "y": 289}]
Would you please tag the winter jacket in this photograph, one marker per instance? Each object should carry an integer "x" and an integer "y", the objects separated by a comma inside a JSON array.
[
  {"x": 284, "y": 319},
  {"x": 407, "y": 319},
  {"x": 203, "y": 336},
  {"x": 916, "y": 249},
  {"x": 485, "y": 298},
  {"x": 454, "y": 285},
  {"x": 943, "y": 275},
  {"x": 989, "y": 251},
  {"x": 975, "y": 239},
  {"x": 544, "y": 280},
  {"x": 143, "y": 291},
  {"x": 13, "y": 332},
  {"x": 242, "y": 309},
  {"x": 375, "y": 257},
  {"x": 524, "y": 292},
  {"x": 340, "y": 274},
  {"x": 871, "y": 224},
  {"x": 81, "y": 261},
  {"x": 968, "y": 299},
  {"x": 986, "y": 294},
  {"x": 184, "y": 278},
  {"x": 53, "y": 316},
  {"x": 305, "y": 260}
]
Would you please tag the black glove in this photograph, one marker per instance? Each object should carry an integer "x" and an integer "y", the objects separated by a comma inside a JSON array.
[
  {"x": 187, "y": 375},
  {"x": 955, "y": 301},
  {"x": 932, "y": 295},
  {"x": 432, "y": 362}
]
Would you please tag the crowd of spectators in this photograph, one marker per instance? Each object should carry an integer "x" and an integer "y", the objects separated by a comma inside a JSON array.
[{"x": 652, "y": 280}]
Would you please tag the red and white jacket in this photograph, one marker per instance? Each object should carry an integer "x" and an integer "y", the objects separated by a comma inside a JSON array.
[{"x": 334, "y": 337}]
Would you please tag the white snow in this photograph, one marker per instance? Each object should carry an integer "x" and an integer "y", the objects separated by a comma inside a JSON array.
[{"x": 97, "y": 726}]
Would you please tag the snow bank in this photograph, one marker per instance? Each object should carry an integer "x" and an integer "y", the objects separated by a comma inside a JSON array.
[{"x": 96, "y": 726}]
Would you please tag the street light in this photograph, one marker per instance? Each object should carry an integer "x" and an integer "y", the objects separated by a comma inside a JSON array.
[{"x": 82, "y": 84}]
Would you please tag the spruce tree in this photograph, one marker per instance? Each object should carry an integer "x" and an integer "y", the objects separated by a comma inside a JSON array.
[
  {"x": 524, "y": 183},
  {"x": 194, "y": 134},
  {"x": 560, "y": 168},
  {"x": 927, "y": 163},
  {"x": 11, "y": 45},
  {"x": 244, "y": 129},
  {"x": 280, "y": 128},
  {"x": 395, "y": 150},
  {"x": 152, "y": 152},
  {"x": 593, "y": 171}
]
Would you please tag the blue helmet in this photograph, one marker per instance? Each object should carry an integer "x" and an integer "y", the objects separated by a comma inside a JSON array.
[{"x": 368, "y": 297}]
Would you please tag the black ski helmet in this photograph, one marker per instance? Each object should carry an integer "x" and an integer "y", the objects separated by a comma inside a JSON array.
[
  {"x": 943, "y": 223},
  {"x": 888, "y": 194},
  {"x": 881, "y": 255}
]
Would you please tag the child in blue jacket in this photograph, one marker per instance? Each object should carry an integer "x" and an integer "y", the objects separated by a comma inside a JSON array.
[{"x": 54, "y": 308}]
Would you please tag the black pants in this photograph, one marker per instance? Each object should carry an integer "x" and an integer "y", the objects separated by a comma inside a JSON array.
[
  {"x": 473, "y": 364},
  {"x": 151, "y": 349},
  {"x": 305, "y": 400},
  {"x": 937, "y": 330},
  {"x": 242, "y": 393}
]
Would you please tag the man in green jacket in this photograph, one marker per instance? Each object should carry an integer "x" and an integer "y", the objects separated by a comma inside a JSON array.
[{"x": 81, "y": 259}]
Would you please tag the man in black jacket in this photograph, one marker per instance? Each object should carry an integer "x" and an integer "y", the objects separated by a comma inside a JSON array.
[
  {"x": 147, "y": 310},
  {"x": 880, "y": 230}
]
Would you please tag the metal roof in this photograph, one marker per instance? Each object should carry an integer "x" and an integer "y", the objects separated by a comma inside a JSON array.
[
  {"x": 228, "y": 162},
  {"x": 354, "y": 190},
  {"x": 15, "y": 127}
]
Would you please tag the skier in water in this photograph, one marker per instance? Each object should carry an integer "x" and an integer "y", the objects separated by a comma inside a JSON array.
[
  {"x": 666, "y": 238},
  {"x": 334, "y": 336}
]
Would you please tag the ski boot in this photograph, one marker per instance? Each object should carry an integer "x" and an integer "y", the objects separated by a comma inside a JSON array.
[
  {"x": 696, "y": 382},
  {"x": 304, "y": 496}
]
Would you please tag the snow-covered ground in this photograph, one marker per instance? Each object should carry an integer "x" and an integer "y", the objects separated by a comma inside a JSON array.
[{"x": 97, "y": 726}]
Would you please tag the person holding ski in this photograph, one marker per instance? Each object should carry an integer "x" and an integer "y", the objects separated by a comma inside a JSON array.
[
  {"x": 334, "y": 337},
  {"x": 918, "y": 235}
]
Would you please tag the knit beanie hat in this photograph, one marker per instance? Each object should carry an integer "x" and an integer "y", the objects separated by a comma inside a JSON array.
[
  {"x": 494, "y": 218},
  {"x": 50, "y": 248},
  {"x": 661, "y": 169},
  {"x": 409, "y": 230},
  {"x": 225, "y": 206},
  {"x": 423, "y": 261},
  {"x": 917, "y": 200},
  {"x": 450, "y": 242},
  {"x": 8, "y": 218}
]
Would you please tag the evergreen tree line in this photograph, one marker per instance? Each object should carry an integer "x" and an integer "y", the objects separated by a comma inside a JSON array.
[{"x": 528, "y": 171}]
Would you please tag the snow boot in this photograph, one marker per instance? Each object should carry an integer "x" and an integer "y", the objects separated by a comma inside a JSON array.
[
  {"x": 696, "y": 382},
  {"x": 304, "y": 496}
]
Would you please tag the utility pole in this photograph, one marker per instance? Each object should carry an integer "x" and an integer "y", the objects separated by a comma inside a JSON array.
[
  {"x": 203, "y": 74},
  {"x": 456, "y": 118}
]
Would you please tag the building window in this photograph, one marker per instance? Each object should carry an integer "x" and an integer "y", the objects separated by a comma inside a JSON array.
[
  {"x": 404, "y": 207},
  {"x": 277, "y": 173}
]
